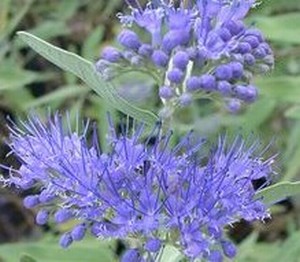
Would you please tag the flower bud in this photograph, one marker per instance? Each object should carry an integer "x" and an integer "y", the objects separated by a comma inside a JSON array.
[
  {"x": 62, "y": 215},
  {"x": 223, "y": 72},
  {"x": 136, "y": 60},
  {"x": 145, "y": 50},
  {"x": 255, "y": 32},
  {"x": 237, "y": 70},
  {"x": 42, "y": 217},
  {"x": 233, "y": 105},
  {"x": 208, "y": 82},
  {"x": 235, "y": 27},
  {"x": 269, "y": 60},
  {"x": 224, "y": 87},
  {"x": 129, "y": 39},
  {"x": 101, "y": 65},
  {"x": 192, "y": 52},
  {"x": 185, "y": 99},
  {"x": 249, "y": 59},
  {"x": 78, "y": 232},
  {"x": 214, "y": 231},
  {"x": 181, "y": 60},
  {"x": 244, "y": 48},
  {"x": 128, "y": 54},
  {"x": 215, "y": 256},
  {"x": 153, "y": 245},
  {"x": 175, "y": 38},
  {"x": 229, "y": 249},
  {"x": 259, "y": 53},
  {"x": 246, "y": 93},
  {"x": 65, "y": 240},
  {"x": 193, "y": 83},
  {"x": 252, "y": 40},
  {"x": 175, "y": 76},
  {"x": 160, "y": 58},
  {"x": 31, "y": 201},
  {"x": 131, "y": 255},
  {"x": 111, "y": 54},
  {"x": 225, "y": 34},
  {"x": 166, "y": 92},
  {"x": 45, "y": 197}
]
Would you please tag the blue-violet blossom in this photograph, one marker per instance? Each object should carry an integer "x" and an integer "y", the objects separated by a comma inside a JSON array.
[
  {"x": 154, "y": 192},
  {"x": 186, "y": 42}
]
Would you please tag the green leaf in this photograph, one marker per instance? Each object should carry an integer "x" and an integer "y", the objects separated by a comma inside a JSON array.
[
  {"x": 279, "y": 191},
  {"x": 291, "y": 154},
  {"x": 27, "y": 258},
  {"x": 58, "y": 96},
  {"x": 281, "y": 28},
  {"x": 280, "y": 88},
  {"x": 251, "y": 251},
  {"x": 12, "y": 77},
  {"x": 289, "y": 250},
  {"x": 91, "y": 44},
  {"x": 170, "y": 254},
  {"x": 47, "y": 250},
  {"x": 86, "y": 71},
  {"x": 293, "y": 165},
  {"x": 293, "y": 112},
  {"x": 255, "y": 115},
  {"x": 51, "y": 28}
]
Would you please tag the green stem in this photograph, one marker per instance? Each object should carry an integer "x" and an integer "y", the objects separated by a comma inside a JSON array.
[{"x": 185, "y": 3}]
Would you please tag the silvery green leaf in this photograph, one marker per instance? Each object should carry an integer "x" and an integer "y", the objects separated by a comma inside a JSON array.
[{"x": 86, "y": 71}]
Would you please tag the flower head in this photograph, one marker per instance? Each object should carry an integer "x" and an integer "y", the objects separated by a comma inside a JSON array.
[
  {"x": 153, "y": 192},
  {"x": 205, "y": 38}
]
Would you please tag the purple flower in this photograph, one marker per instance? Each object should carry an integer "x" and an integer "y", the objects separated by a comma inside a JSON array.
[
  {"x": 175, "y": 75},
  {"x": 137, "y": 189},
  {"x": 185, "y": 99},
  {"x": 211, "y": 35},
  {"x": 111, "y": 54},
  {"x": 181, "y": 60},
  {"x": 246, "y": 93},
  {"x": 62, "y": 215},
  {"x": 42, "y": 217},
  {"x": 153, "y": 245},
  {"x": 175, "y": 38},
  {"x": 160, "y": 58},
  {"x": 207, "y": 82},
  {"x": 234, "y": 105},
  {"x": 66, "y": 240},
  {"x": 193, "y": 83},
  {"x": 129, "y": 39},
  {"x": 150, "y": 19},
  {"x": 131, "y": 255},
  {"x": 31, "y": 201},
  {"x": 166, "y": 92},
  {"x": 223, "y": 72},
  {"x": 225, "y": 88},
  {"x": 78, "y": 232},
  {"x": 145, "y": 50}
]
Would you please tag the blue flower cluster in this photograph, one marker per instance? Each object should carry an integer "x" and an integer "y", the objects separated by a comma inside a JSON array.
[
  {"x": 154, "y": 192},
  {"x": 193, "y": 49}
]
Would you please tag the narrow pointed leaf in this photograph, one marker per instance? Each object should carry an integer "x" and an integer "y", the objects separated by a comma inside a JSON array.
[
  {"x": 86, "y": 71},
  {"x": 279, "y": 191}
]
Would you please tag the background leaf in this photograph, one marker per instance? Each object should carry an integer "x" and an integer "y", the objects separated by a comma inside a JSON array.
[
  {"x": 275, "y": 27},
  {"x": 48, "y": 250},
  {"x": 278, "y": 191},
  {"x": 86, "y": 71}
]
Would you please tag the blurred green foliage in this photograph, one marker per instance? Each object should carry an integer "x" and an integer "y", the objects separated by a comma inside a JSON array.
[
  {"x": 28, "y": 81},
  {"x": 47, "y": 250}
]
